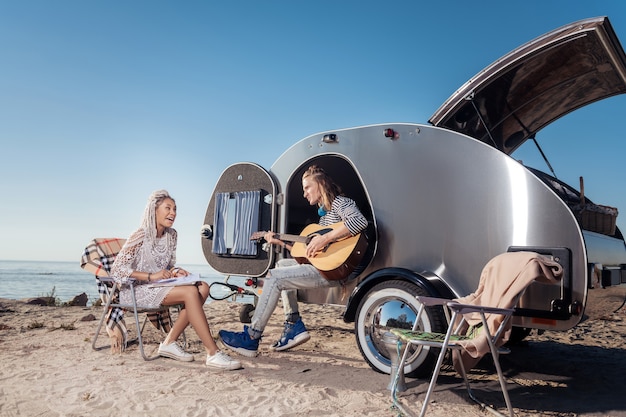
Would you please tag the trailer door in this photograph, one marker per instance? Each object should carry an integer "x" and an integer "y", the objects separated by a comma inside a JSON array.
[{"x": 243, "y": 202}]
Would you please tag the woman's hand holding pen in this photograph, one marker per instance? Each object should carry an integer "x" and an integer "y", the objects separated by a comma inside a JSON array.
[
  {"x": 179, "y": 272},
  {"x": 169, "y": 273}
]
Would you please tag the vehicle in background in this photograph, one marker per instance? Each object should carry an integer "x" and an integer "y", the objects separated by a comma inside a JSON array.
[{"x": 446, "y": 197}]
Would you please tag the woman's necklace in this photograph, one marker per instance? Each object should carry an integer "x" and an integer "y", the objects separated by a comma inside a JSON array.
[{"x": 161, "y": 244}]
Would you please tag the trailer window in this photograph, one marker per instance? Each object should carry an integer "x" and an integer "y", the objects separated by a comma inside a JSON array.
[{"x": 236, "y": 217}]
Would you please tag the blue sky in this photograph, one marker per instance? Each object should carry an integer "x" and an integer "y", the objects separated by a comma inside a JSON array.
[{"x": 103, "y": 102}]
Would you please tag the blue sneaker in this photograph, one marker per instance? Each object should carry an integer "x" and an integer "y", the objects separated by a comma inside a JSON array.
[
  {"x": 241, "y": 343},
  {"x": 294, "y": 334}
]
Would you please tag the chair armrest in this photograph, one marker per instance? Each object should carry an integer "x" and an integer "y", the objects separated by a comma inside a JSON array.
[
  {"x": 131, "y": 281},
  {"x": 469, "y": 308},
  {"x": 432, "y": 301}
]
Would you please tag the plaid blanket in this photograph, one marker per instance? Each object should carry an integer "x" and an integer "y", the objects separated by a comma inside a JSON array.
[{"x": 98, "y": 258}]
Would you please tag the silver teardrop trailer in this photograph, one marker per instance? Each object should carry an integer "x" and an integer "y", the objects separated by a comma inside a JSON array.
[{"x": 444, "y": 198}]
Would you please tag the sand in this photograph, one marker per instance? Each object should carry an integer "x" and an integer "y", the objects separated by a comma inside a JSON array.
[{"x": 49, "y": 369}]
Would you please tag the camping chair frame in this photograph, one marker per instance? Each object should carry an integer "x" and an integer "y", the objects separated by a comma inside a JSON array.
[
  {"x": 449, "y": 341},
  {"x": 111, "y": 296}
]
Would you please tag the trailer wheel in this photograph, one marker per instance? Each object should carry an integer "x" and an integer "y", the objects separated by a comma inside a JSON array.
[
  {"x": 392, "y": 304},
  {"x": 246, "y": 312}
]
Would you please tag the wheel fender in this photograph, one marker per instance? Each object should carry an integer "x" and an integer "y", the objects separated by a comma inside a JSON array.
[{"x": 432, "y": 284}]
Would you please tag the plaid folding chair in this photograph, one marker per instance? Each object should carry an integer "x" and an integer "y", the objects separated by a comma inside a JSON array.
[{"x": 98, "y": 259}]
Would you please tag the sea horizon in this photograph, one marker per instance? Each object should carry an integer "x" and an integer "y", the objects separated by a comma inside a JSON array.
[{"x": 64, "y": 280}]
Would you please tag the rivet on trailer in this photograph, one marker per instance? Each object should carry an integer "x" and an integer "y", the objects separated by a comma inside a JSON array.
[{"x": 444, "y": 198}]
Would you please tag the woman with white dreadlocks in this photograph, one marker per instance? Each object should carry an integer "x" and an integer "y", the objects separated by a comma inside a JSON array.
[{"x": 149, "y": 255}]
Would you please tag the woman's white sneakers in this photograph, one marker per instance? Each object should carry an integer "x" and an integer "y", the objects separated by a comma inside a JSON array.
[
  {"x": 222, "y": 361},
  {"x": 173, "y": 351}
]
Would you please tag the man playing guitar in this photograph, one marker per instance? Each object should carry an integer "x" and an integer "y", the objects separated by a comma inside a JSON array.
[{"x": 334, "y": 210}]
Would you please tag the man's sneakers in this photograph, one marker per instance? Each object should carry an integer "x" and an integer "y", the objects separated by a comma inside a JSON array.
[
  {"x": 294, "y": 334},
  {"x": 173, "y": 351},
  {"x": 241, "y": 342},
  {"x": 222, "y": 361}
]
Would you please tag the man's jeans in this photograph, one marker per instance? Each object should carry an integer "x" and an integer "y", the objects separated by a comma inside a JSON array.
[{"x": 292, "y": 277}]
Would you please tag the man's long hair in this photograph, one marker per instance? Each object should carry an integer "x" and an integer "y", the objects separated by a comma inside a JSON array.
[{"x": 328, "y": 188}]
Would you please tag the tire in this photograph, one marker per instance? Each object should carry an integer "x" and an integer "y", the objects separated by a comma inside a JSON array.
[
  {"x": 246, "y": 312},
  {"x": 395, "y": 301}
]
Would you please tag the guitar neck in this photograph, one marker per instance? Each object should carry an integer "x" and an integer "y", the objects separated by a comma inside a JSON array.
[
  {"x": 305, "y": 237},
  {"x": 293, "y": 238}
]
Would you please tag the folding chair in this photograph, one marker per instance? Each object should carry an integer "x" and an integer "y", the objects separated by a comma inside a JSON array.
[
  {"x": 98, "y": 258},
  {"x": 476, "y": 328},
  {"x": 451, "y": 340}
]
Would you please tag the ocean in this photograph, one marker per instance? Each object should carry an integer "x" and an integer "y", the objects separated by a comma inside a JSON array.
[{"x": 63, "y": 280}]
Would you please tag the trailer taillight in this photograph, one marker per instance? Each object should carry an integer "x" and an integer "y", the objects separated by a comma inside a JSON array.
[{"x": 391, "y": 134}]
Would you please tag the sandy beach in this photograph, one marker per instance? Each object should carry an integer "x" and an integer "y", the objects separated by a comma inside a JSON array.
[{"x": 49, "y": 369}]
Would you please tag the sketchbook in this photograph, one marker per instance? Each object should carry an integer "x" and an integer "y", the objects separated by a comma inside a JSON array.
[{"x": 190, "y": 279}]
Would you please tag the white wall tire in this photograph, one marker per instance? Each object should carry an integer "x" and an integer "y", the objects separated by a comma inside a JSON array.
[{"x": 393, "y": 304}]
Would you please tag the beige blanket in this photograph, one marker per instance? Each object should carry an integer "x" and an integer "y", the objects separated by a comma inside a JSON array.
[{"x": 501, "y": 281}]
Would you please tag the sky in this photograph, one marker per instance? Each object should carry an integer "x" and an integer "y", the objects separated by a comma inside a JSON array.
[{"x": 103, "y": 102}]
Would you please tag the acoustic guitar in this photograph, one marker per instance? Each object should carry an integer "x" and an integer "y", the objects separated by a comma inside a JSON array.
[{"x": 336, "y": 261}]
